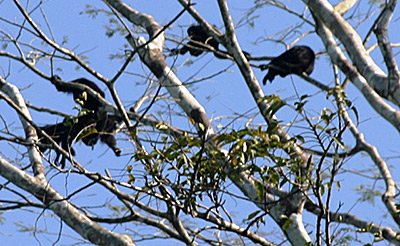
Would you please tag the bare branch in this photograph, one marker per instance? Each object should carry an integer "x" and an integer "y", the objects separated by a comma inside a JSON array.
[
  {"x": 338, "y": 58},
  {"x": 76, "y": 220}
]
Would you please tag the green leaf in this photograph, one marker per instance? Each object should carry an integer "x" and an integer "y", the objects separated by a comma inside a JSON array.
[
  {"x": 321, "y": 190},
  {"x": 338, "y": 185},
  {"x": 277, "y": 103},
  {"x": 339, "y": 142},
  {"x": 129, "y": 168},
  {"x": 131, "y": 179},
  {"x": 262, "y": 99},
  {"x": 260, "y": 190},
  {"x": 287, "y": 223},
  {"x": 252, "y": 215},
  {"x": 244, "y": 147},
  {"x": 202, "y": 127},
  {"x": 300, "y": 138},
  {"x": 275, "y": 137},
  {"x": 161, "y": 126},
  {"x": 87, "y": 132}
]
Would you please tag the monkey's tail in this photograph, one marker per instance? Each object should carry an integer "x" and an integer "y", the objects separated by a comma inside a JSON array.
[{"x": 225, "y": 55}]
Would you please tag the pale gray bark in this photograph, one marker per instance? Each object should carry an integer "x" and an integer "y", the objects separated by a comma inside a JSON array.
[
  {"x": 153, "y": 58},
  {"x": 66, "y": 211},
  {"x": 41, "y": 189},
  {"x": 284, "y": 207},
  {"x": 364, "y": 73}
]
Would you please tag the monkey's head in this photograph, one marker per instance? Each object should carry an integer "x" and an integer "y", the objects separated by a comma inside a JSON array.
[
  {"x": 191, "y": 30},
  {"x": 55, "y": 78},
  {"x": 196, "y": 31}
]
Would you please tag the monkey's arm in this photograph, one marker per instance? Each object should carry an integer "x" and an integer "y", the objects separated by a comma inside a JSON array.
[
  {"x": 66, "y": 86},
  {"x": 76, "y": 87}
]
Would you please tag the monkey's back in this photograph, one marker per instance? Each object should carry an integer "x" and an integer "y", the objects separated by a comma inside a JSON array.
[{"x": 296, "y": 60}]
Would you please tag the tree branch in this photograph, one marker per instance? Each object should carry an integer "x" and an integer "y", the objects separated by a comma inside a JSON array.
[
  {"x": 66, "y": 211},
  {"x": 338, "y": 58}
]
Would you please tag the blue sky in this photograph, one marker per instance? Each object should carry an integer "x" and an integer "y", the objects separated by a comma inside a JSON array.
[{"x": 223, "y": 95}]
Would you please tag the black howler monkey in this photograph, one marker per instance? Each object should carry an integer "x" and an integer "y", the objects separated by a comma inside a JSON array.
[
  {"x": 88, "y": 101},
  {"x": 60, "y": 134},
  {"x": 65, "y": 133},
  {"x": 200, "y": 36},
  {"x": 105, "y": 129},
  {"x": 296, "y": 60},
  {"x": 88, "y": 128}
]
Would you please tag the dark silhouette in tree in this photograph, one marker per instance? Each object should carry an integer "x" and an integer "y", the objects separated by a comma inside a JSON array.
[
  {"x": 81, "y": 96},
  {"x": 64, "y": 134},
  {"x": 59, "y": 133},
  {"x": 198, "y": 37},
  {"x": 90, "y": 127},
  {"x": 87, "y": 128},
  {"x": 105, "y": 129},
  {"x": 296, "y": 60}
]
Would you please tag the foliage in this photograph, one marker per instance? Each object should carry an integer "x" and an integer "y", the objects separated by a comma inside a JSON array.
[{"x": 301, "y": 161}]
